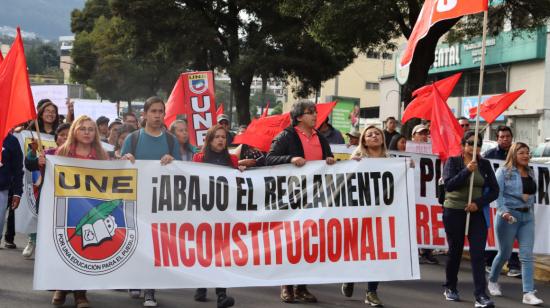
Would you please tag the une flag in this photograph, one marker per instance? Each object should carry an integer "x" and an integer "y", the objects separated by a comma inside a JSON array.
[
  {"x": 16, "y": 101},
  {"x": 495, "y": 106},
  {"x": 445, "y": 131},
  {"x": 193, "y": 96},
  {"x": 434, "y": 11},
  {"x": 421, "y": 106}
]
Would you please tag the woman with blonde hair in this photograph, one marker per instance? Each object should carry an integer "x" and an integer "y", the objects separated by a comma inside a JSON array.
[
  {"x": 372, "y": 144},
  {"x": 83, "y": 142},
  {"x": 515, "y": 219}
]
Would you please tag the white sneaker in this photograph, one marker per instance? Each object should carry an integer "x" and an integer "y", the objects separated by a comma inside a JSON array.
[
  {"x": 29, "y": 250},
  {"x": 530, "y": 298},
  {"x": 494, "y": 288}
]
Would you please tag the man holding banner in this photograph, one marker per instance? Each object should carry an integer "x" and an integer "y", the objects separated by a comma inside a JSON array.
[{"x": 297, "y": 144}]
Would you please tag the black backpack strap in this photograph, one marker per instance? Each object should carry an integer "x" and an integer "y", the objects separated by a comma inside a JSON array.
[
  {"x": 170, "y": 141},
  {"x": 134, "y": 141}
]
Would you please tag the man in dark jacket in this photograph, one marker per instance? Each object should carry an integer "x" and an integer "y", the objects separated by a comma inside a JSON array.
[
  {"x": 297, "y": 144},
  {"x": 11, "y": 176},
  {"x": 504, "y": 141}
]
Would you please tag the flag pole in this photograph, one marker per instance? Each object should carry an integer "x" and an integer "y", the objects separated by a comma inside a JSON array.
[
  {"x": 40, "y": 148},
  {"x": 476, "y": 131}
]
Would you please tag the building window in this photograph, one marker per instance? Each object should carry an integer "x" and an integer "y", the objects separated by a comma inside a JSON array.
[
  {"x": 373, "y": 54},
  {"x": 387, "y": 56},
  {"x": 372, "y": 86}
]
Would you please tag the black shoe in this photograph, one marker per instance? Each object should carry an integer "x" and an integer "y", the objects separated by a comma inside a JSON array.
[
  {"x": 225, "y": 301},
  {"x": 483, "y": 301},
  {"x": 200, "y": 295},
  {"x": 10, "y": 245},
  {"x": 428, "y": 259},
  {"x": 347, "y": 289},
  {"x": 451, "y": 295}
]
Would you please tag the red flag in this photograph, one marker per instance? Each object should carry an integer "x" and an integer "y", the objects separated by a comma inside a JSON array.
[
  {"x": 193, "y": 95},
  {"x": 421, "y": 106},
  {"x": 261, "y": 132},
  {"x": 266, "y": 111},
  {"x": 219, "y": 112},
  {"x": 494, "y": 106},
  {"x": 174, "y": 104},
  {"x": 16, "y": 101},
  {"x": 445, "y": 131},
  {"x": 434, "y": 11}
]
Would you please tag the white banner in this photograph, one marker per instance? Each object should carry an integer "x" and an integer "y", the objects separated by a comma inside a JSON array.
[
  {"x": 58, "y": 94},
  {"x": 117, "y": 225},
  {"x": 429, "y": 213},
  {"x": 95, "y": 109}
]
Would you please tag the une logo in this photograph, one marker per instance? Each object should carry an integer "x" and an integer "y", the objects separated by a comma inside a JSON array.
[{"x": 446, "y": 5}]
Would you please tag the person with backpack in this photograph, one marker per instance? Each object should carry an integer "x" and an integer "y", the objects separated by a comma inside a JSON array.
[{"x": 151, "y": 142}]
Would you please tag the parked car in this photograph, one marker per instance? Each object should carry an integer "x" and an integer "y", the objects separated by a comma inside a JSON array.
[
  {"x": 541, "y": 154},
  {"x": 487, "y": 145}
]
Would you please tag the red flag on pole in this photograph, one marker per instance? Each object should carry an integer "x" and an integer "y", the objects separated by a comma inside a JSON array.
[
  {"x": 219, "y": 112},
  {"x": 266, "y": 111},
  {"x": 193, "y": 95},
  {"x": 495, "y": 106},
  {"x": 445, "y": 131},
  {"x": 421, "y": 106},
  {"x": 434, "y": 11},
  {"x": 16, "y": 101}
]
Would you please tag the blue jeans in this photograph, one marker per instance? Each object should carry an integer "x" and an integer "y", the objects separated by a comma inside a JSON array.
[
  {"x": 524, "y": 231},
  {"x": 3, "y": 209}
]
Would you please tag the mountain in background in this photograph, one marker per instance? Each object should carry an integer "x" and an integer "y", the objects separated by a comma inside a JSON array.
[{"x": 48, "y": 19}]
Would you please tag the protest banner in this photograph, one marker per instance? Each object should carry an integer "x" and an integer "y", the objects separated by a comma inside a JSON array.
[
  {"x": 429, "y": 213},
  {"x": 95, "y": 109},
  {"x": 26, "y": 217},
  {"x": 58, "y": 94},
  {"x": 114, "y": 225}
]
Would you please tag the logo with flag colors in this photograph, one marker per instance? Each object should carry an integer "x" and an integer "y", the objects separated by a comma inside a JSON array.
[
  {"x": 95, "y": 219},
  {"x": 198, "y": 83}
]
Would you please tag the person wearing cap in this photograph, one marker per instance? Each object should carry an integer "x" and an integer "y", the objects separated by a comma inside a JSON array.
[
  {"x": 223, "y": 120},
  {"x": 103, "y": 126},
  {"x": 353, "y": 136},
  {"x": 420, "y": 133}
]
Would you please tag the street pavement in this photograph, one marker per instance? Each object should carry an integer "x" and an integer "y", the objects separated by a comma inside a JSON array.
[{"x": 16, "y": 291}]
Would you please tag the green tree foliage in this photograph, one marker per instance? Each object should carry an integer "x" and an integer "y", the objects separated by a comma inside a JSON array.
[
  {"x": 105, "y": 58},
  {"x": 42, "y": 58},
  {"x": 242, "y": 38}
]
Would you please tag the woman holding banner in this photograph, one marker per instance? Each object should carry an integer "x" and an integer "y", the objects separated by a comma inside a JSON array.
[
  {"x": 372, "y": 144},
  {"x": 515, "y": 219},
  {"x": 457, "y": 174},
  {"x": 215, "y": 151},
  {"x": 83, "y": 142}
]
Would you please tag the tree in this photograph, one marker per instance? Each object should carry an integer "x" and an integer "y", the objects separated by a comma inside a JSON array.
[
  {"x": 242, "y": 38},
  {"x": 278, "y": 109},
  {"x": 105, "y": 60},
  {"x": 369, "y": 24},
  {"x": 42, "y": 58}
]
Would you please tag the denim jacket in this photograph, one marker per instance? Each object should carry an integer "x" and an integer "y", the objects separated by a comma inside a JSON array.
[{"x": 511, "y": 189}]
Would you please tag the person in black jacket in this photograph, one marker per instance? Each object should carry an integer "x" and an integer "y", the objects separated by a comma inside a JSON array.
[
  {"x": 297, "y": 144},
  {"x": 457, "y": 173},
  {"x": 11, "y": 176}
]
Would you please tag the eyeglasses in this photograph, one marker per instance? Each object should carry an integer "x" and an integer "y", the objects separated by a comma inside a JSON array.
[
  {"x": 471, "y": 143},
  {"x": 311, "y": 112},
  {"x": 86, "y": 129},
  {"x": 465, "y": 125}
]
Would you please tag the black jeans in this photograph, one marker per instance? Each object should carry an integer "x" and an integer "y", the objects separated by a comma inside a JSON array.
[
  {"x": 513, "y": 261},
  {"x": 455, "y": 224}
]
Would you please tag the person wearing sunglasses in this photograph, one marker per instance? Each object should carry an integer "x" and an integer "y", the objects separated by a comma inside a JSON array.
[
  {"x": 464, "y": 123},
  {"x": 457, "y": 173}
]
